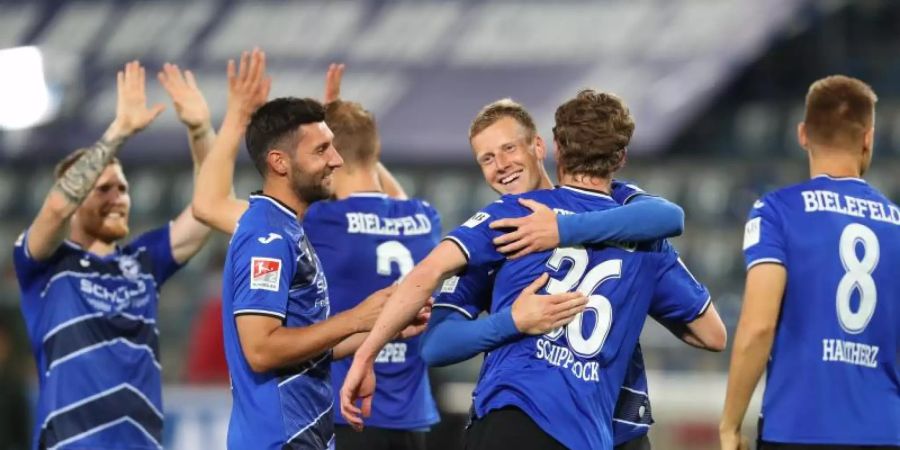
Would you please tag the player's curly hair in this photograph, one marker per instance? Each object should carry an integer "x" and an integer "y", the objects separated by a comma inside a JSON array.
[
  {"x": 592, "y": 131},
  {"x": 355, "y": 132},
  {"x": 277, "y": 125}
]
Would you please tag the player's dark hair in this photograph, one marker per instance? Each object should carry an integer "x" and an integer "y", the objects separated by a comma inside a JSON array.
[
  {"x": 61, "y": 167},
  {"x": 277, "y": 125},
  {"x": 839, "y": 110},
  {"x": 499, "y": 109},
  {"x": 355, "y": 132},
  {"x": 592, "y": 131}
]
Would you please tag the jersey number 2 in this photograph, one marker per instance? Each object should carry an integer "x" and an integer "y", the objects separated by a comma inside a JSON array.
[
  {"x": 393, "y": 252},
  {"x": 585, "y": 281},
  {"x": 858, "y": 277}
]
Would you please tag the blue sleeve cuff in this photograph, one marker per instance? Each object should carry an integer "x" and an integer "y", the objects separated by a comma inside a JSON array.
[{"x": 451, "y": 338}]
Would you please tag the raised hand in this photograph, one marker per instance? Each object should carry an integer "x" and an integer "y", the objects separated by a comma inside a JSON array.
[
  {"x": 132, "y": 113},
  {"x": 248, "y": 84},
  {"x": 190, "y": 105},
  {"x": 537, "y": 314},
  {"x": 333, "y": 83},
  {"x": 533, "y": 233}
]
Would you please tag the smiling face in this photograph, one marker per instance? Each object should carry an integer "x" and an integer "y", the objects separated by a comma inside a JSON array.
[
  {"x": 104, "y": 213},
  {"x": 312, "y": 162},
  {"x": 509, "y": 156}
]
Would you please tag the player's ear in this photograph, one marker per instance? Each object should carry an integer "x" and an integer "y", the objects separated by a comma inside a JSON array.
[
  {"x": 869, "y": 139},
  {"x": 540, "y": 148},
  {"x": 801, "y": 135},
  {"x": 278, "y": 162}
]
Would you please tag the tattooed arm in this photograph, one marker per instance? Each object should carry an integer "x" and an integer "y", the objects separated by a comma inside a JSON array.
[
  {"x": 187, "y": 234},
  {"x": 48, "y": 229}
]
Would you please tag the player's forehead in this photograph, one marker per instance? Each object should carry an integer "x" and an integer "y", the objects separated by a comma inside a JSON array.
[
  {"x": 313, "y": 135},
  {"x": 112, "y": 174},
  {"x": 504, "y": 131}
]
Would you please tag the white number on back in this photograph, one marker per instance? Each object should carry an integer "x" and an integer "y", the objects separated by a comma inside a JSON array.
[
  {"x": 586, "y": 284},
  {"x": 858, "y": 277},
  {"x": 390, "y": 253}
]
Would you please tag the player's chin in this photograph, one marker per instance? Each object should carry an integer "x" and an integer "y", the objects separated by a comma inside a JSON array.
[{"x": 113, "y": 230}]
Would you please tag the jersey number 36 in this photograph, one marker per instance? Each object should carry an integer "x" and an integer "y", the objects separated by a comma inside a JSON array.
[{"x": 585, "y": 281}]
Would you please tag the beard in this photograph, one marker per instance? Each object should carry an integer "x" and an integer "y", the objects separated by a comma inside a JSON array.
[
  {"x": 108, "y": 231},
  {"x": 310, "y": 187}
]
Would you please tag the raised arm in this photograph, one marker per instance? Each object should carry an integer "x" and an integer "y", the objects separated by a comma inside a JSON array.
[
  {"x": 48, "y": 229},
  {"x": 187, "y": 234},
  {"x": 214, "y": 201},
  {"x": 333, "y": 79},
  {"x": 644, "y": 218},
  {"x": 763, "y": 295}
]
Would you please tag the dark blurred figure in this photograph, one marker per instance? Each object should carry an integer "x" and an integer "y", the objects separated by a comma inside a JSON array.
[{"x": 15, "y": 413}]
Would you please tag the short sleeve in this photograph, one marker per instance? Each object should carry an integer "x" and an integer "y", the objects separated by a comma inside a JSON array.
[
  {"x": 158, "y": 245},
  {"x": 475, "y": 236},
  {"x": 28, "y": 270},
  {"x": 764, "y": 235},
  {"x": 468, "y": 293},
  {"x": 623, "y": 191},
  {"x": 263, "y": 264},
  {"x": 679, "y": 297}
]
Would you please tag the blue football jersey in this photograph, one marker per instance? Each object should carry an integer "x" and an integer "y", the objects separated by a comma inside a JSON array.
[
  {"x": 832, "y": 375},
  {"x": 367, "y": 242},
  {"x": 568, "y": 381},
  {"x": 92, "y": 325},
  {"x": 470, "y": 293},
  {"x": 272, "y": 270}
]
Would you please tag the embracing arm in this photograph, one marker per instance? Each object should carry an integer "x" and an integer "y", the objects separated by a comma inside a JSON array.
[
  {"x": 644, "y": 218},
  {"x": 752, "y": 343},
  {"x": 389, "y": 184},
  {"x": 706, "y": 332},
  {"x": 48, "y": 229},
  {"x": 214, "y": 201},
  {"x": 452, "y": 338}
]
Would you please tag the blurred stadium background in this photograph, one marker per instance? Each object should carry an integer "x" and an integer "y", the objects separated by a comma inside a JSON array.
[{"x": 716, "y": 87}]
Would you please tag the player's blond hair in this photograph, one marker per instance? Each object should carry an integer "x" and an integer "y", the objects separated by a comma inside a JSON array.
[
  {"x": 493, "y": 112},
  {"x": 355, "y": 132},
  {"x": 839, "y": 110},
  {"x": 592, "y": 131}
]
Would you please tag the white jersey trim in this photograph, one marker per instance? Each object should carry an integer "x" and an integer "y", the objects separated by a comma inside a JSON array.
[
  {"x": 462, "y": 246},
  {"x": 587, "y": 192},
  {"x": 764, "y": 260}
]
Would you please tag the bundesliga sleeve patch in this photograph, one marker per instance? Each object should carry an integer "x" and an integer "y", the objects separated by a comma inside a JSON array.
[
  {"x": 265, "y": 273},
  {"x": 449, "y": 285},
  {"x": 751, "y": 232},
  {"x": 476, "y": 219}
]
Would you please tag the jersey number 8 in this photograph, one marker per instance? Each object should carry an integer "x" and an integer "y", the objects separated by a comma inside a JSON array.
[
  {"x": 858, "y": 277},
  {"x": 587, "y": 281}
]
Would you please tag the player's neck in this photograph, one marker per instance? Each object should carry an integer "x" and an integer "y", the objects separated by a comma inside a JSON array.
[
  {"x": 91, "y": 244},
  {"x": 586, "y": 182},
  {"x": 545, "y": 180},
  {"x": 834, "y": 163},
  {"x": 282, "y": 192},
  {"x": 350, "y": 180}
]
